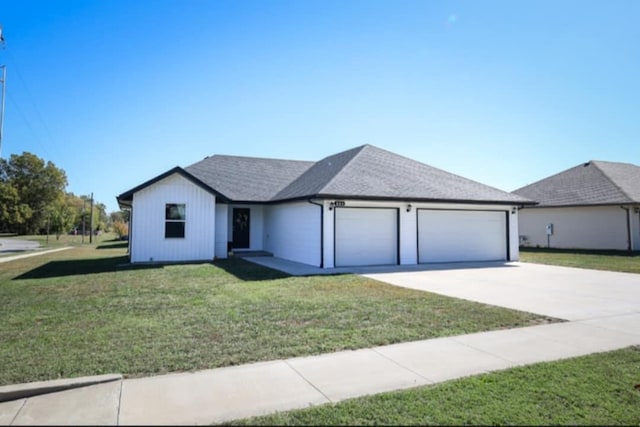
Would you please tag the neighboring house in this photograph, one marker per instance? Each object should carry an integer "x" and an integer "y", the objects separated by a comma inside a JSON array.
[
  {"x": 594, "y": 205},
  {"x": 364, "y": 206}
]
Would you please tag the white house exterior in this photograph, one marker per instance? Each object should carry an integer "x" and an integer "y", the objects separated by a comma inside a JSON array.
[
  {"x": 365, "y": 206},
  {"x": 595, "y": 205}
]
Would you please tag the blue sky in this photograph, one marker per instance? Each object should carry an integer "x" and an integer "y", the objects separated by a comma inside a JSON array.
[{"x": 116, "y": 92}]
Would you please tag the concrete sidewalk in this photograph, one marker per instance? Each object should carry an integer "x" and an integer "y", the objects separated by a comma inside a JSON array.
[
  {"x": 15, "y": 257},
  {"x": 220, "y": 395}
]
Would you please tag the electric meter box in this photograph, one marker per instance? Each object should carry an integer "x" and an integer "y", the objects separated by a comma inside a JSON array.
[{"x": 549, "y": 229}]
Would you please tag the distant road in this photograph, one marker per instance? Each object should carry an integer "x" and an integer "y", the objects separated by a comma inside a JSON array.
[{"x": 17, "y": 246}]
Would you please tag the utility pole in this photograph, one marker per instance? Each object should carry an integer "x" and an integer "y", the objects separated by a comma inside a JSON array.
[
  {"x": 83, "y": 202},
  {"x": 91, "y": 221},
  {"x": 3, "y": 80}
]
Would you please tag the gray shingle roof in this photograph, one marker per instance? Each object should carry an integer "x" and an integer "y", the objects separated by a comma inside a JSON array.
[
  {"x": 593, "y": 183},
  {"x": 361, "y": 172},
  {"x": 247, "y": 179},
  {"x": 364, "y": 172}
]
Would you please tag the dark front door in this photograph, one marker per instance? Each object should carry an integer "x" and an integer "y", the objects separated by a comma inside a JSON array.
[{"x": 241, "y": 221}]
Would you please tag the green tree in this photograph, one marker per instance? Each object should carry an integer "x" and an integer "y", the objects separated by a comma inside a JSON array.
[
  {"x": 61, "y": 217},
  {"x": 37, "y": 184},
  {"x": 12, "y": 213},
  {"x": 100, "y": 216},
  {"x": 117, "y": 217}
]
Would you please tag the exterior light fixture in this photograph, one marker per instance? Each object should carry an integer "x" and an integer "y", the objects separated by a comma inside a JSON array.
[
  {"x": 331, "y": 205},
  {"x": 409, "y": 207},
  {"x": 514, "y": 210}
]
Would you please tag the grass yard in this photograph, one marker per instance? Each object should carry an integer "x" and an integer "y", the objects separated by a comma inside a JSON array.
[
  {"x": 592, "y": 390},
  {"x": 83, "y": 311},
  {"x": 64, "y": 240},
  {"x": 623, "y": 261}
]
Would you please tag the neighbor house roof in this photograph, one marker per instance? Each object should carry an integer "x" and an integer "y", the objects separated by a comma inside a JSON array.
[
  {"x": 593, "y": 183},
  {"x": 364, "y": 172}
]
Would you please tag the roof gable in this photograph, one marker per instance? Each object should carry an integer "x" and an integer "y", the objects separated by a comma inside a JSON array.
[
  {"x": 126, "y": 198},
  {"x": 592, "y": 183}
]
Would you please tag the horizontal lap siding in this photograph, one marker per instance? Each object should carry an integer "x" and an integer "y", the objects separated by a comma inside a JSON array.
[
  {"x": 597, "y": 227},
  {"x": 149, "y": 243}
]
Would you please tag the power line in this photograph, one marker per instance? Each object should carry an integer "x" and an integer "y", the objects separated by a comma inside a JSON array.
[
  {"x": 31, "y": 98},
  {"x": 26, "y": 121},
  {"x": 39, "y": 115}
]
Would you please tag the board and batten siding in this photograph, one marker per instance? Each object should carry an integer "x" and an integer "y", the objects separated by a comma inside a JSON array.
[
  {"x": 222, "y": 236},
  {"x": 148, "y": 240},
  {"x": 292, "y": 231},
  {"x": 595, "y": 227}
]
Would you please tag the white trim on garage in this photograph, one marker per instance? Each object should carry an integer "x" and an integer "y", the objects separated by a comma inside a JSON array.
[
  {"x": 462, "y": 235},
  {"x": 366, "y": 236}
]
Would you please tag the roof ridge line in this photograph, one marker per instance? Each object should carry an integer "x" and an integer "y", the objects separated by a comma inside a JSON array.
[
  {"x": 257, "y": 158},
  {"x": 553, "y": 175},
  {"x": 595, "y": 164},
  {"x": 360, "y": 149}
]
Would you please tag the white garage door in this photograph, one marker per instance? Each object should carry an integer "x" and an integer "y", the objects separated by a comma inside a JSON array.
[
  {"x": 450, "y": 236},
  {"x": 366, "y": 236}
]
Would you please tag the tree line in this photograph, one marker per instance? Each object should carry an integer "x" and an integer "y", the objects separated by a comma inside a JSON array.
[{"x": 33, "y": 200}]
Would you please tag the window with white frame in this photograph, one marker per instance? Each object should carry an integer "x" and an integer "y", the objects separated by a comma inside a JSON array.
[{"x": 174, "y": 221}]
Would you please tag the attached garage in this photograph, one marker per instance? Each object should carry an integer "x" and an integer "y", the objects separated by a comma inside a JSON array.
[
  {"x": 462, "y": 235},
  {"x": 366, "y": 236}
]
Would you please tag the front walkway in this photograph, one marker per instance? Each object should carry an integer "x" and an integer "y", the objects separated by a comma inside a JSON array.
[{"x": 299, "y": 269}]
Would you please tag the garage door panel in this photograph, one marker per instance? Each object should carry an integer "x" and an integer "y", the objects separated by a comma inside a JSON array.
[
  {"x": 450, "y": 236},
  {"x": 366, "y": 236}
]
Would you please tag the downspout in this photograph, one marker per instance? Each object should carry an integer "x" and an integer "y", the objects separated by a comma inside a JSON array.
[
  {"x": 321, "y": 231},
  {"x": 130, "y": 231},
  {"x": 628, "y": 227}
]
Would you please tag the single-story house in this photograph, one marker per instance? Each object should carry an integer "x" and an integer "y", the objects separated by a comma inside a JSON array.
[
  {"x": 595, "y": 205},
  {"x": 363, "y": 206}
]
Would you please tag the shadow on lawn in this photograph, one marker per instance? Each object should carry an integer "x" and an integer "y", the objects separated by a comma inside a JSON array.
[
  {"x": 606, "y": 252},
  {"x": 248, "y": 271},
  {"x": 113, "y": 244},
  {"x": 78, "y": 267}
]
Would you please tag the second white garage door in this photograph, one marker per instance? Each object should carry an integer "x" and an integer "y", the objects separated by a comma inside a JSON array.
[
  {"x": 366, "y": 236},
  {"x": 451, "y": 236}
]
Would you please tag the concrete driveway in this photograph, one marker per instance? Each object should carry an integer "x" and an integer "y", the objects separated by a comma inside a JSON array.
[{"x": 562, "y": 292}]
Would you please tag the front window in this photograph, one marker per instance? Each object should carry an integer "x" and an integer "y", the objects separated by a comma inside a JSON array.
[{"x": 174, "y": 220}]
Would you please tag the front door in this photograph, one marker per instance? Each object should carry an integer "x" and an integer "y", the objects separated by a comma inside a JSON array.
[{"x": 241, "y": 221}]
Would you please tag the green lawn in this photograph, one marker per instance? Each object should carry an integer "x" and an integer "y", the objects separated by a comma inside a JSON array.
[
  {"x": 63, "y": 240},
  {"x": 598, "y": 260},
  {"x": 592, "y": 390},
  {"x": 84, "y": 311}
]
